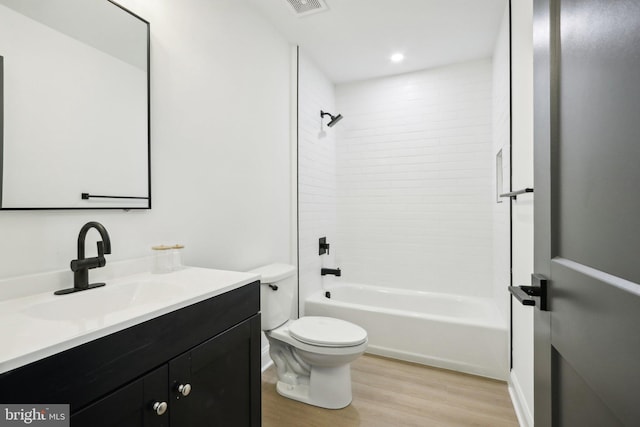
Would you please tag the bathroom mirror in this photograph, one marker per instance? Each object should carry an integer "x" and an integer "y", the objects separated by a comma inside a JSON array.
[{"x": 74, "y": 132}]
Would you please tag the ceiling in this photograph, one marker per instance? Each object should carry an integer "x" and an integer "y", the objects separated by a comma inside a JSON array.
[{"x": 354, "y": 39}]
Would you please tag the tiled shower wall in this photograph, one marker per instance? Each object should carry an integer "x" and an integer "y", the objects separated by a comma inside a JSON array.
[
  {"x": 316, "y": 175},
  {"x": 501, "y": 139},
  {"x": 415, "y": 189}
]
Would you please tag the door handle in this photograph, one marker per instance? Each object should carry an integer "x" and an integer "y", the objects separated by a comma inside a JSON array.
[
  {"x": 536, "y": 294},
  {"x": 524, "y": 294}
]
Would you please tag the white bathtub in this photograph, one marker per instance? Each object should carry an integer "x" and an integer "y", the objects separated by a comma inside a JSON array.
[{"x": 461, "y": 333}]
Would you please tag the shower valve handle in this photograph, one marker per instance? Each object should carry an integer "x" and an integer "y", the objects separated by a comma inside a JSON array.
[{"x": 323, "y": 246}]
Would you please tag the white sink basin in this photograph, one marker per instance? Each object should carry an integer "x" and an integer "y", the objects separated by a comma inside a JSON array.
[{"x": 104, "y": 301}]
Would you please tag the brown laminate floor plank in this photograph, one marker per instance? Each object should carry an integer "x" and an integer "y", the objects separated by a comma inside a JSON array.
[{"x": 388, "y": 392}]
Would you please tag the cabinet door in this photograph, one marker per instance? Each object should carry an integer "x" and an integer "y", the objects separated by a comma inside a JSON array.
[
  {"x": 224, "y": 377},
  {"x": 129, "y": 406}
]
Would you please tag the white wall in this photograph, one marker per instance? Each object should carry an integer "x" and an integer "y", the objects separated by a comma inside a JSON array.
[
  {"x": 220, "y": 150},
  {"x": 522, "y": 50},
  {"x": 316, "y": 177},
  {"x": 415, "y": 189}
]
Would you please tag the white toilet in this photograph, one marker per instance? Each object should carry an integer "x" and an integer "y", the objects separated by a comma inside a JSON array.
[{"x": 312, "y": 355}]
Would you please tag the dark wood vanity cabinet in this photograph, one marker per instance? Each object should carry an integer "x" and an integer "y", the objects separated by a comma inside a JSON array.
[
  {"x": 129, "y": 406},
  {"x": 202, "y": 362},
  {"x": 220, "y": 375}
]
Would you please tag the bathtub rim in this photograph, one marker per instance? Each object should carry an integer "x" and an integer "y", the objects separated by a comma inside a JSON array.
[{"x": 497, "y": 321}]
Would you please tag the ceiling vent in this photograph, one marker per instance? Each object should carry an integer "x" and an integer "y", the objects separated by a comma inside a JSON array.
[{"x": 307, "y": 7}]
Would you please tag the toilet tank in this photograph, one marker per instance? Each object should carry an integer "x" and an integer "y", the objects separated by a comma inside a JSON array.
[{"x": 277, "y": 291}]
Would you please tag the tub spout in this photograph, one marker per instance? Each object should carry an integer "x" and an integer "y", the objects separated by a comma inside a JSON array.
[{"x": 334, "y": 271}]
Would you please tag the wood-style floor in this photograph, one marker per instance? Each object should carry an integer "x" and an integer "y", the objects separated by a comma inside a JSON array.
[{"x": 391, "y": 393}]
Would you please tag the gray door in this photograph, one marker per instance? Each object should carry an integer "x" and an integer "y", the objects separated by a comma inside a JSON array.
[{"x": 587, "y": 211}]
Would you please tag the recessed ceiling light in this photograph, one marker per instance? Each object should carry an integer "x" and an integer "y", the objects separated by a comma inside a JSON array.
[{"x": 397, "y": 57}]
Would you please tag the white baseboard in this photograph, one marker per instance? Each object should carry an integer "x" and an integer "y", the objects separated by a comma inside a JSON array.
[
  {"x": 495, "y": 372},
  {"x": 265, "y": 359},
  {"x": 523, "y": 412}
]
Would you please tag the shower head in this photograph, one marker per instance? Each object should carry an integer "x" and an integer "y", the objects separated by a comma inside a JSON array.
[{"x": 334, "y": 119}]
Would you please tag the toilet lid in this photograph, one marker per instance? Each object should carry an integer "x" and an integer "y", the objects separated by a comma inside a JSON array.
[{"x": 327, "y": 332}]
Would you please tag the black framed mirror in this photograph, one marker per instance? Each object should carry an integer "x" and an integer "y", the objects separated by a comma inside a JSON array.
[{"x": 75, "y": 128}]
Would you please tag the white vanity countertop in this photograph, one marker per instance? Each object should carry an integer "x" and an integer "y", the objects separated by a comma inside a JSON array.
[{"x": 37, "y": 326}]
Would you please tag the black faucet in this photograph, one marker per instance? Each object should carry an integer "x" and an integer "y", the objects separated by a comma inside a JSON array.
[
  {"x": 82, "y": 265},
  {"x": 334, "y": 271}
]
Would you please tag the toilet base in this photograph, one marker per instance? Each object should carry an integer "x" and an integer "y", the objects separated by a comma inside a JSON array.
[{"x": 328, "y": 388}]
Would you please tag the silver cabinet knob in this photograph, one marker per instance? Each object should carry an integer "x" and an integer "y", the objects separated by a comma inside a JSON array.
[
  {"x": 160, "y": 407},
  {"x": 184, "y": 389}
]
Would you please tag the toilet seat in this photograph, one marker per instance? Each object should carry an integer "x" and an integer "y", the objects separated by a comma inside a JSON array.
[
  {"x": 283, "y": 334},
  {"x": 327, "y": 332}
]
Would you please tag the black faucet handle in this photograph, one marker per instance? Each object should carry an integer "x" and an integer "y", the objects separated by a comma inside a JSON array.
[
  {"x": 104, "y": 246},
  {"x": 100, "y": 248}
]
